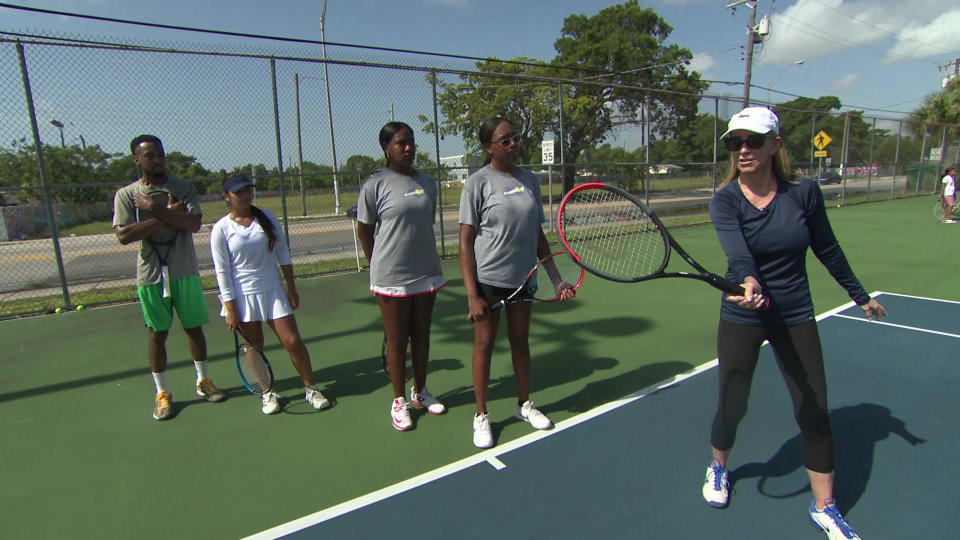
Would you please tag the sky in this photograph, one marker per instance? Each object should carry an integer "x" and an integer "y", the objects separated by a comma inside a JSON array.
[{"x": 881, "y": 56}]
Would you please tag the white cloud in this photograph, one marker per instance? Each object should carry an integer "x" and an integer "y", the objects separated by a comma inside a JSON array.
[
  {"x": 941, "y": 36},
  {"x": 813, "y": 28},
  {"x": 701, "y": 63},
  {"x": 845, "y": 84}
]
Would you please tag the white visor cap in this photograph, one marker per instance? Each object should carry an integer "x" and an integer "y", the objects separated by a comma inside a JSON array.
[{"x": 755, "y": 119}]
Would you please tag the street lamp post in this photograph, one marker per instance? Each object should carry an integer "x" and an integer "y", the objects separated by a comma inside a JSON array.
[
  {"x": 59, "y": 125},
  {"x": 83, "y": 142},
  {"x": 326, "y": 85}
]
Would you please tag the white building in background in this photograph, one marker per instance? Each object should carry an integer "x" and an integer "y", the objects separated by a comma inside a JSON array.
[{"x": 458, "y": 167}]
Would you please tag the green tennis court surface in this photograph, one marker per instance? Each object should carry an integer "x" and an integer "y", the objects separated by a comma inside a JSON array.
[{"x": 84, "y": 458}]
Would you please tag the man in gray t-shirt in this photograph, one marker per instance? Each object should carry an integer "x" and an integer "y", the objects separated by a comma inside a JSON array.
[
  {"x": 138, "y": 218},
  {"x": 506, "y": 211}
]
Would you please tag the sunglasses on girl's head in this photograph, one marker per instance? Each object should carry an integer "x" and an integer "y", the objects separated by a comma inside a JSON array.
[{"x": 757, "y": 140}]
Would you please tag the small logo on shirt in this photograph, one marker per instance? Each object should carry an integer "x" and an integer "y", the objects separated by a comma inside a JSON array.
[
  {"x": 518, "y": 189},
  {"x": 417, "y": 191}
]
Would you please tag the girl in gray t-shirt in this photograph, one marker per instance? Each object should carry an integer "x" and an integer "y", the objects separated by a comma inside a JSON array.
[
  {"x": 395, "y": 215},
  {"x": 500, "y": 241}
]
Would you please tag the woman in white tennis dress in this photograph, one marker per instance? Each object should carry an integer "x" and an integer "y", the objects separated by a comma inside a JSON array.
[{"x": 249, "y": 257}]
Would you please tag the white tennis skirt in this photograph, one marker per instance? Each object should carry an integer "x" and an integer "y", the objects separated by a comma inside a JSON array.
[
  {"x": 423, "y": 285},
  {"x": 262, "y": 306}
]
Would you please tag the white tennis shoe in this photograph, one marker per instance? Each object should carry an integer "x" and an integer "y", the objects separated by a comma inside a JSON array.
[
  {"x": 716, "y": 486},
  {"x": 270, "y": 403},
  {"x": 400, "y": 413},
  {"x": 482, "y": 434},
  {"x": 316, "y": 399},
  {"x": 425, "y": 399},
  {"x": 831, "y": 521},
  {"x": 528, "y": 413}
]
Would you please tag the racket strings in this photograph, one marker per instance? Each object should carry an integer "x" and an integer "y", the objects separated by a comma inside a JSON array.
[
  {"x": 613, "y": 235},
  {"x": 254, "y": 369}
]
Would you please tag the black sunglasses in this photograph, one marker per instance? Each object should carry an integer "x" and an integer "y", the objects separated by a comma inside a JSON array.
[
  {"x": 507, "y": 140},
  {"x": 757, "y": 140}
]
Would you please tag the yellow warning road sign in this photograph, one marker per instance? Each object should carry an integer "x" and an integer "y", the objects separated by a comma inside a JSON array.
[
  {"x": 821, "y": 153},
  {"x": 821, "y": 140}
]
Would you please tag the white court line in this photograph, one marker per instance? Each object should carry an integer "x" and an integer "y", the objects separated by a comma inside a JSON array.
[
  {"x": 905, "y": 327},
  {"x": 490, "y": 456},
  {"x": 496, "y": 463},
  {"x": 921, "y": 298}
]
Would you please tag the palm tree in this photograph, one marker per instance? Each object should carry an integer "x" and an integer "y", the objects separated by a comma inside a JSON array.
[{"x": 941, "y": 110}]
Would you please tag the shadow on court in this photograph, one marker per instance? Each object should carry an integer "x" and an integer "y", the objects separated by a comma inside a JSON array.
[{"x": 857, "y": 429}]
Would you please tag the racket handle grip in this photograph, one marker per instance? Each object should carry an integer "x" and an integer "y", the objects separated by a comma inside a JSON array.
[{"x": 728, "y": 286}]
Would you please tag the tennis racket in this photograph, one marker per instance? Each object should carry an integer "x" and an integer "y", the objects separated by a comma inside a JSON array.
[
  {"x": 253, "y": 366},
  {"x": 408, "y": 368},
  {"x": 563, "y": 273},
  {"x": 938, "y": 211},
  {"x": 161, "y": 241},
  {"x": 614, "y": 236}
]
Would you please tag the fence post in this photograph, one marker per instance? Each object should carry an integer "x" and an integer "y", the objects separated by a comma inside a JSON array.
[
  {"x": 845, "y": 156},
  {"x": 923, "y": 148},
  {"x": 896, "y": 160},
  {"x": 42, "y": 171},
  {"x": 716, "y": 126},
  {"x": 870, "y": 159},
  {"x": 296, "y": 98},
  {"x": 276, "y": 130},
  {"x": 436, "y": 146},
  {"x": 563, "y": 151}
]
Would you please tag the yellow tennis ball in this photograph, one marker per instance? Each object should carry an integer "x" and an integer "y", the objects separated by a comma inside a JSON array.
[
  {"x": 58, "y": 310},
  {"x": 80, "y": 307}
]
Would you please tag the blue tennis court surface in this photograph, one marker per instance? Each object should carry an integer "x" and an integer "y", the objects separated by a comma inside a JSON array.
[{"x": 634, "y": 468}]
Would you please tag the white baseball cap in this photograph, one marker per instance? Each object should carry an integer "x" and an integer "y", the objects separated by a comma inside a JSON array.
[{"x": 755, "y": 119}]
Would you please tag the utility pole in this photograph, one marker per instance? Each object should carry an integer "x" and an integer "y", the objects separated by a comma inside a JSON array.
[
  {"x": 326, "y": 85},
  {"x": 753, "y": 37},
  {"x": 946, "y": 67}
]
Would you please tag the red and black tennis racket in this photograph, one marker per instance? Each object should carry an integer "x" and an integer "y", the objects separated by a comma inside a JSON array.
[
  {"x": 614, "y": 236},
  {"x": 562, "y": 272}
]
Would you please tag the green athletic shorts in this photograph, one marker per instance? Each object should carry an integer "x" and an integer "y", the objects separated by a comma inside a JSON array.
[{"x": 186, "y": 295}]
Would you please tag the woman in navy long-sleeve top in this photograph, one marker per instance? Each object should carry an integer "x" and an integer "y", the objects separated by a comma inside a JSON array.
[{"x": 766, "y": 220}]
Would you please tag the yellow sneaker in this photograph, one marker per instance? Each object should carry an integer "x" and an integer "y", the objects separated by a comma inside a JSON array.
[
  {"x": 206, "y": 389},
  {"x": 164, "y": 408}
]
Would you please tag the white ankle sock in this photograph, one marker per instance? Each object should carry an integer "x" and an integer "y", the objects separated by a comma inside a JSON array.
[
  {"x": 201, "y": 368},
  {"x": 160, "y": 380}
]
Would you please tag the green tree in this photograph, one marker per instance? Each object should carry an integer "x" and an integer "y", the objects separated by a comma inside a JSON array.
[
  {"x": 693, "y": 142},
  {"x": 649, "y": 76},
  {"x": 939, "y": 116},
  {"x": 622, "y": 65},
  {"x": 516, "y": 91},
  {"x": 365, "y": 164}
]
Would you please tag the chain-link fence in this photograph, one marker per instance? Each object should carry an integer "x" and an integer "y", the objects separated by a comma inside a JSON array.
[{"x": 305, "y": 129}]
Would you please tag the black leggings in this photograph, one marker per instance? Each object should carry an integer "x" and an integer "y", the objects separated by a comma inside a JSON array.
[{"x": 800, "y": 358}]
